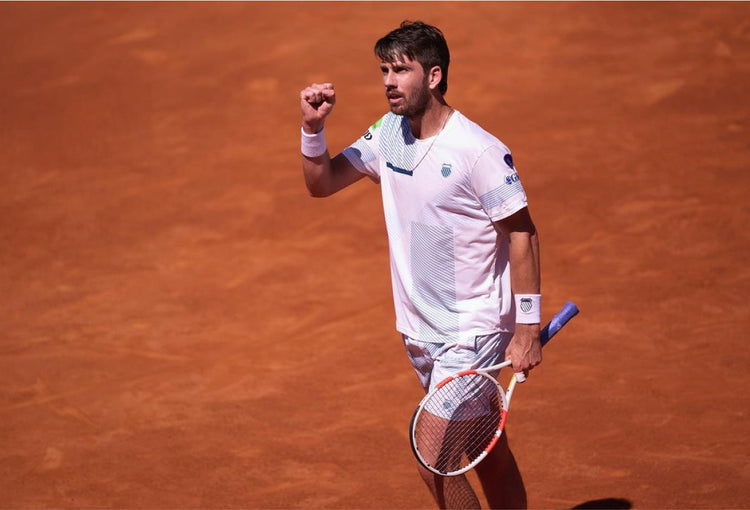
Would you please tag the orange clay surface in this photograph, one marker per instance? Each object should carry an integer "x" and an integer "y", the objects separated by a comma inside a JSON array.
[{"x": 182, "y": 326}]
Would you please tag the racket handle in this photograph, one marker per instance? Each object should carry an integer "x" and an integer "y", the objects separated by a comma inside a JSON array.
[{"x": 568, "y": 311}]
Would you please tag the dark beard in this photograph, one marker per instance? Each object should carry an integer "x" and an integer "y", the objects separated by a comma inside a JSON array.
[{"x": 416, "y": 106}]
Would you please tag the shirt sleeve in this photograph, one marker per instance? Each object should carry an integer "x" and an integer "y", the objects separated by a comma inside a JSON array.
[
  {"x": 363, "y": 154},
  {"x": 496, "y": 183}
]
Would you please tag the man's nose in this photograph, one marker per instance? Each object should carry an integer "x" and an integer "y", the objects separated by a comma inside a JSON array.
[{"x": 389, "y": 79}]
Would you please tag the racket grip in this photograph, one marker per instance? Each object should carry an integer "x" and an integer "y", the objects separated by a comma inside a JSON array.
[{"x": 567, "y": 312}]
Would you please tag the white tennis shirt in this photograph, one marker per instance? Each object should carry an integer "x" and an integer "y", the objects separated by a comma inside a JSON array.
[{"x": 449, "y": 267}]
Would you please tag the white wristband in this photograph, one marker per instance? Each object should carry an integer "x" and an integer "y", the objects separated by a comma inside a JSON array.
[
  {"x": 314, "y": 145},
  {"x": 528, "y": 308}
]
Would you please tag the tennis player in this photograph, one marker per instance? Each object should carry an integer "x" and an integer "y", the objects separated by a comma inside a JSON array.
[{"x": 464, "y": 251}]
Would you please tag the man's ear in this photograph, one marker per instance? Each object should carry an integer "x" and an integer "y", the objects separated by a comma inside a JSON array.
[{"x": 434, "y": 76}]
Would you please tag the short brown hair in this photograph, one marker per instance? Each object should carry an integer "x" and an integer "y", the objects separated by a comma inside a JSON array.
[{"x": 420, "y": 42}]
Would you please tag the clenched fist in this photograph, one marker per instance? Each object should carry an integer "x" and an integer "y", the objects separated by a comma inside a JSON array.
[{"x": 316, "y": 102}]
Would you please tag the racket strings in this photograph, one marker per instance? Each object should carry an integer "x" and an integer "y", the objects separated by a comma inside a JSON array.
[{"x": 460, "y": 421}]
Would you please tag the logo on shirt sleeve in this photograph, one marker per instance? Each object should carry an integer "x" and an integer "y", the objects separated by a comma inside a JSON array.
[{"x": 512, "y": 178}]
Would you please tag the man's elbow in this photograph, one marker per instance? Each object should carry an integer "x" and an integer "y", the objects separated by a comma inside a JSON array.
[
  {"x": 318, "y": 191},
  {"x": 319, "y": 194}
]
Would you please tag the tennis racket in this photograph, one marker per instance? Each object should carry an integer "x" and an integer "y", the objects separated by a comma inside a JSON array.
[{"x": 458, "y": 423}]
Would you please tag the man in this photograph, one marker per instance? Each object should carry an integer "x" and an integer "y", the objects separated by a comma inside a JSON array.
[{"x": 463, "y": 247}]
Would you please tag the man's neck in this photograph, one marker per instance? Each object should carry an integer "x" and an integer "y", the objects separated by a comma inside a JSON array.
[{"x": 431, "y": 121}]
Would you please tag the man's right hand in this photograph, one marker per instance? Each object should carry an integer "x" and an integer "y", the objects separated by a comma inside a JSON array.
[{"x": 316, "y": 102}]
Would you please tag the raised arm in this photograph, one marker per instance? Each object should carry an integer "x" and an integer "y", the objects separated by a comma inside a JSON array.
[{"x": 324, "y": 175}]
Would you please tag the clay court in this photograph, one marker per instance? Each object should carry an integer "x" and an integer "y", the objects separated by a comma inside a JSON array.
[{"x": 184, "y": 327}]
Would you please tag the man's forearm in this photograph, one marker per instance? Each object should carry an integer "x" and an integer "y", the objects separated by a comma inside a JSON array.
[
  {"x": 524, "y": 263},
  {"x": 316, "y": 171}
]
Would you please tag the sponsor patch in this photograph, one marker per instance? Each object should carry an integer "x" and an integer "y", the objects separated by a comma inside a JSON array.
[{"x": 510, "y": 179}]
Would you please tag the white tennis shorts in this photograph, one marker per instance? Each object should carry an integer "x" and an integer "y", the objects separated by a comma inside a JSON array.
[{"x": 433, "y": 362}]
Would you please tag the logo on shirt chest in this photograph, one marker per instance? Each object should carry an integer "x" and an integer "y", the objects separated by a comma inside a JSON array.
[{"x": 445, "y": 170}]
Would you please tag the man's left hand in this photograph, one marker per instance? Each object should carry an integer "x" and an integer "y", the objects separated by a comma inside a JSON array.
[{"x": 525, "y": 349}]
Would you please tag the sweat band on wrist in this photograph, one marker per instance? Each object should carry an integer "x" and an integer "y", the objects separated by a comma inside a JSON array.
[
  {"x": 528, "y": 308},
  {"x": 314, "y": 145}
]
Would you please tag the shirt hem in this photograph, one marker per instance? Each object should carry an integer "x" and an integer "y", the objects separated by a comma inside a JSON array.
[
  {"x": 449, "y": 339},
  {"x": 501, "y": 215},
  {"x": 359, "y": 166}
]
